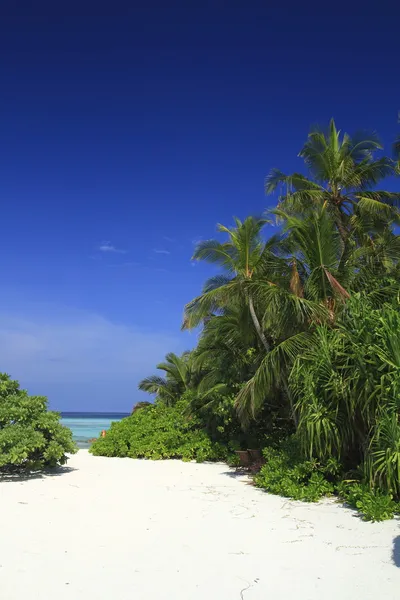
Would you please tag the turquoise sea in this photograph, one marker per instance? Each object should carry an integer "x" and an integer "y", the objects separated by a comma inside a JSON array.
[{"x": 88, "y": 425}]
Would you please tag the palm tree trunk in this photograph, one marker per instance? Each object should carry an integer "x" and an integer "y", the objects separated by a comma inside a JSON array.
[
  {"x": 341, "y": 225},
  {"x": 344, "y": 234},
  {"x": 257, "y": 325},
  {"x": 288, "y": 393}
]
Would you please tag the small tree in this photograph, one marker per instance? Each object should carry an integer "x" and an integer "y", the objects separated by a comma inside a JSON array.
[{"x": 31, "y": 437}]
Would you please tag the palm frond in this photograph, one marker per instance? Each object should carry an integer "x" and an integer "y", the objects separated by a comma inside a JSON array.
[
  {"x": 273, "y": 367},
  {"x": 213, "y": 251},
  {"x": 152, "y": 384},
  {"x": 207, "y": 304},
  {"x": 215, "y": 282}
]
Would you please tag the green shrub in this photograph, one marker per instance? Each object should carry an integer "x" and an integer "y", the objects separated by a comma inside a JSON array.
[
  {"x": 285, "y": 473},
  {"x": 346, "y": 390},
  {"x": 373, "y": 504},
  {"x": 31, "y": 437},
  {"x": 160, "y": 432}
]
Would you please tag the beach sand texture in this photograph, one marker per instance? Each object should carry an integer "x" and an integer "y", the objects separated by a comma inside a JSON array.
[{"x": 126, "y": 529}]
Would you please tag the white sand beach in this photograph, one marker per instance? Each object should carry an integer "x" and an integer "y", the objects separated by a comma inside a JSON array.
[{"x": 119, "y": 528}]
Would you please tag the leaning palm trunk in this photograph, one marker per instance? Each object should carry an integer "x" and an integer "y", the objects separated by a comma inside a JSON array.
[
  {"x": 289, "y": 396},
  {"x": 256, "y": 323},
  {"x": 342, "y": 228}
]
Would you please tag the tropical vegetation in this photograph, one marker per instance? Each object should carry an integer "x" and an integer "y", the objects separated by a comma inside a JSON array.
[
  {"x": 299, "y": 349},
  {"x": 176, "y": 381},
  {"x": 31, "y": 437},
  {"x": 160, "y": 431}
]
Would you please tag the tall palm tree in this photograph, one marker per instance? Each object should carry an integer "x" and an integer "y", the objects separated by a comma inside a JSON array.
[
  {"x": 242, "y": 258},
  {"x": 226, "y": 355},
  {"x": 322, "y": 270},
  {"x": 177, "y": 380},
  {"x": 325, "y": 272},
  {"x": 343, "y": 172},
  {"x": 317, "y": 253},
  {"x": 226, "y": 351}
]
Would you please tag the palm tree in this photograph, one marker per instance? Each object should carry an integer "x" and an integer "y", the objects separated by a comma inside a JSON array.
[
  {"x": 177, "y": 380},
  {"x": 325, "y": 272},
  {"x": 322, "y": 268},
  {"x": 317, "y": 253},
  {"x": 343, "y": 172},
  {"x": 242, "y": 258},
  {"x": 226, "y": 353}
]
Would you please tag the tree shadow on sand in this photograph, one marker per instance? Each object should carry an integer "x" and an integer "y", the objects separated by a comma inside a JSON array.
[
  {"x": 20, "y": 476},
  {"x": 236, "y": 472},
  {"x": 396, "y": 551}
]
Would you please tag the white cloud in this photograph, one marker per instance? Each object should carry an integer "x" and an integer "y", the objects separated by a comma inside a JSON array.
[
  {"x": 161, "y": 251},
  {"x": 108, "y": 247},
  {"x": 169, "y": 239},
  {"x": 65, "y": 346}
]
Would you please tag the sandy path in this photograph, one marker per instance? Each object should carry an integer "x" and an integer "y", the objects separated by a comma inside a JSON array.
[{"x": 121, "y": 529}]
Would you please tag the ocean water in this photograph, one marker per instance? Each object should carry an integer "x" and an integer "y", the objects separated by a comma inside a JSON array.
[{"x": 88, "y": 425}]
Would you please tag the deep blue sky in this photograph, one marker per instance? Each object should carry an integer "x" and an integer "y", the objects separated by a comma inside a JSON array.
[{"x": 126, "y": 138}]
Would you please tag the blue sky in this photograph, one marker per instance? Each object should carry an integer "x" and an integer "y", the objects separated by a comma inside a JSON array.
[{"x": 125, "y": 138}]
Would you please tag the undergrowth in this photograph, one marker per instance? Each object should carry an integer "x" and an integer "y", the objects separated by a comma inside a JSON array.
[
  {"x": 286, "y": 473},
  {"x": 160, "y": 432}
]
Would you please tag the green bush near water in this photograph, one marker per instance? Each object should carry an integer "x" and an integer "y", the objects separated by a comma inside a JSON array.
[
  {"x": 160, "y": 432},
  {"x": 31, "y": 437}
]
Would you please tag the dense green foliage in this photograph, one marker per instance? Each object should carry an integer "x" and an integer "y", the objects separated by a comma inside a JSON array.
[
  {"x": 299, "y": 349},
  {"x": 372, "y": 503},
  {"x": 31, "y": 437},
  {"x": 288, "y": 474},
  {"x": 347, "y": 387},
  {"x": 176, "y": 381},
  {"x": 140, "y": 405},
  {"x": 160, "y": 431}
]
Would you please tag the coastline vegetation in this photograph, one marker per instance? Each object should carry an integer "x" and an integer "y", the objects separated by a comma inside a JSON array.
[
  {"x": 299, "y": 345},
  {"x": 31, "y": 437}
]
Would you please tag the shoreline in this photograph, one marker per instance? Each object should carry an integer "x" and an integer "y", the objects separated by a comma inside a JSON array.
[{"x": 103, "y": 527}]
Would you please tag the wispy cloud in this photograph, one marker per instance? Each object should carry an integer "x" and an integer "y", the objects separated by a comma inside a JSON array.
[
  {"x": 157, "y": 251},
  {"x": 169, "y": 239},
  {"x": 108, "y": 247},
  {"x": 54, "y": 344},
  {"x": 197, "y": 240}
]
